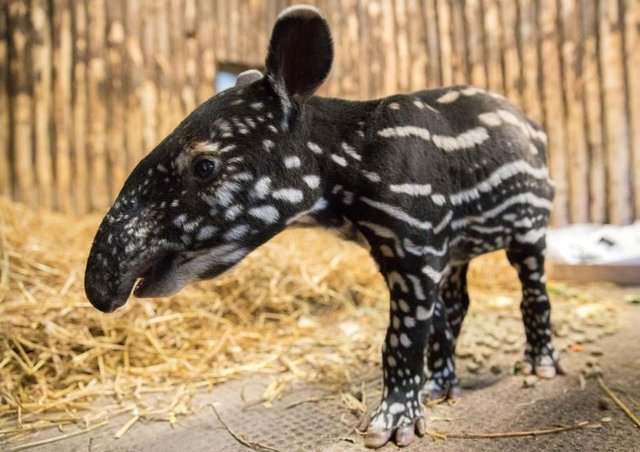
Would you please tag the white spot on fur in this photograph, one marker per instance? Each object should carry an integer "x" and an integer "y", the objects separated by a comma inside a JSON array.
[
  {"x": 433, "y": 274},
  {"x": 466, "y": 140},
  {"x": 498, "y": 176},
  {"x": 351, "y": 151},
  {"x": 405, "y": 341},
  {"x": 417, "y": 287},
  {"x": 385, "y": 233},
  {"x": 339, "y": 160},
  {"x": 405, "y": 131},
  {"x": 292, "y": 162},
  {"x": 373, "y": 177},
  {"x": 292, "y": 195},
  {"x": 206, "y": 232},
  {"x": 232, "y": 212},
  {"x": 411, "y": 189},
  {"x": 450, "y": 96},
  {"x": 386, "y": 251},
  {"x": 237, "y": 232},
  {"x": 267, "y": 213},
  {"x": 438, "y": 199},
  {"x": 314, "y": 147},
  {"x": 311, "y": 180},
  {"x": 423, "y": 314},
  {"x": 398, "y": 214},
  {"x": 262, "y": 188},
  {"x": 395, "y": 278},
  {"x": 409, "y": 322},
  {"x": 267, "y": 145}
]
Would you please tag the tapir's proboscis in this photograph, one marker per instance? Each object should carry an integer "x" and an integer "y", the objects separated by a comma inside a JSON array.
[{"x": 426, "y": 180}]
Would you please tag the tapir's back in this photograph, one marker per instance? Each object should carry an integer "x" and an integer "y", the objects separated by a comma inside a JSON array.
[
  {"x": 455, "y": 136},
  {"x": 465, "y": 157}
]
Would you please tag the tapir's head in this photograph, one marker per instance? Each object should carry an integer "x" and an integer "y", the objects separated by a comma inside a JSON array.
[{"x": 231, "y": 176}]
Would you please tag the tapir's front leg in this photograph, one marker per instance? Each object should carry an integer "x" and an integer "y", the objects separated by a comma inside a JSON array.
[{"x": 399, "y": 415}]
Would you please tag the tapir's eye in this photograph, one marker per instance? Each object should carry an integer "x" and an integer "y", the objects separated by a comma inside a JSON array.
[{"x": 204, "y": 168}]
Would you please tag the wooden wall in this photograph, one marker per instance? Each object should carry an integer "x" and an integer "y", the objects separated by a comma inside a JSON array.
[{"x": 87, "y": 87}]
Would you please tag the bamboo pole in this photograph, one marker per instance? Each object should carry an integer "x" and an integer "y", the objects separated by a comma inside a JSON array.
[
  {"x": 433, "y": 44},
  {"x": 222, "y": 28},
  {"x": 207, "y": 43},
  {"x": 444, "y": 37},
  {"x": 374, "y": 55},
  {"x": 163, "y": 73},
  {"x": 632, "y": 68},
  {"x": 528, "y": 35},
  {"x": 117, "y": 87},
  {"x": 554, "y": 109},
  {"x": 241, "y": 21},
  {"x": 234, "y": 25},
  {"x": 177, "y": 44},
  {"x": 134, "y": 128},
  {"x": 616, "y": 126},
  {"x": 390, "y": 57},
  {"x": 593, "y": 114},
  {"x": 96, "y": 100},
  {"x": 364, "y": 70},
  {"x": 351, "y": 38},
  {"x": 62, "y": 104},
  {"x": 458, "y": 42},
  {"x": 80, "y": 111},
  {"x": 493, "y": 37},
  {"x": 6, "y": 180},
  {"x": 477, "y": 74},
  {"x": 148, "y": 89},
  {"x": 510, "y": 52},
  {"x": 417, "y": 51},
  {"x": 573, "y": 87},
  {"x": 189, "y": 92},
  {"x": 41, "y": 67},
  {"x": 20, "y": 89},
  {"x": 401, "y": 42}
]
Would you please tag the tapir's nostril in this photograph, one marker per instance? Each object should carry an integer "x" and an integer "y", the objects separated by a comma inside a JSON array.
[{"x": 101, "y": 294}]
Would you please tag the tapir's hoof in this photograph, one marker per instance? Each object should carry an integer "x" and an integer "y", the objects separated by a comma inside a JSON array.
[
  {"x": 402, "y": 436},
  {"x": 449, "y": 394},
  {"x": 544, "y": 369}
]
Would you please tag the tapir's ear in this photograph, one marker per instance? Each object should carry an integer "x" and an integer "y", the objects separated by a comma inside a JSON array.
[
  {"x": 250, "y": 76},
  {"x": 300, "y": 52}
]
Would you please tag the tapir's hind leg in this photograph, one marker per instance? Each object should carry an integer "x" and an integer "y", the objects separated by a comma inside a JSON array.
[
  {"x": 540, "y": 356},
  {"x": 451, "y": 307}
]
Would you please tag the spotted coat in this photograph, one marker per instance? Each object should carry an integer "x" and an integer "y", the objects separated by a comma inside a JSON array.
[{"x": 427, "y": 180}]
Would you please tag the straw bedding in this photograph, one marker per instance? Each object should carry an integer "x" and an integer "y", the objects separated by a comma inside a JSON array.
[{"x": 305, "y": 307}]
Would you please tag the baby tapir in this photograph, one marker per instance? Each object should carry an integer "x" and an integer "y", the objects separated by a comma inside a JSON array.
[{"x": 429, "y": 180}]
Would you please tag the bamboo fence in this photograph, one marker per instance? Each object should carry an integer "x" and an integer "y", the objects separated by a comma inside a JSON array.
[{"x": 87, "y": 87}]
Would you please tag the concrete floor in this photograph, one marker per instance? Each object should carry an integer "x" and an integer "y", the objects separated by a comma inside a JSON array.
[{"x": 491, "y": 403}]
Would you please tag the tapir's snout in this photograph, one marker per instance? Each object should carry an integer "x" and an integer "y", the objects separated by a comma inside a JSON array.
[
  {"x": 103, "y": 283},
  {"x": 101, "y": 296}
]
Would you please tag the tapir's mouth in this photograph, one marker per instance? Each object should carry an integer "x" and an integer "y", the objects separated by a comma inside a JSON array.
[
  {"x": 162, "y": 274},
  {"x": 169, "y": 272},
  {"x": 153, "y": 273}
]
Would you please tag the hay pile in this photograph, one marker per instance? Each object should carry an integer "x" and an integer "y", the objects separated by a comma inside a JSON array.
[
  {"x": 305, "y": 306},
  {"x": 60, "y": 358}
]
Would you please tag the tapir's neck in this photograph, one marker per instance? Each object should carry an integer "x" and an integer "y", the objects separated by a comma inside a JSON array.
[{"x": 335, "y": 131}]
